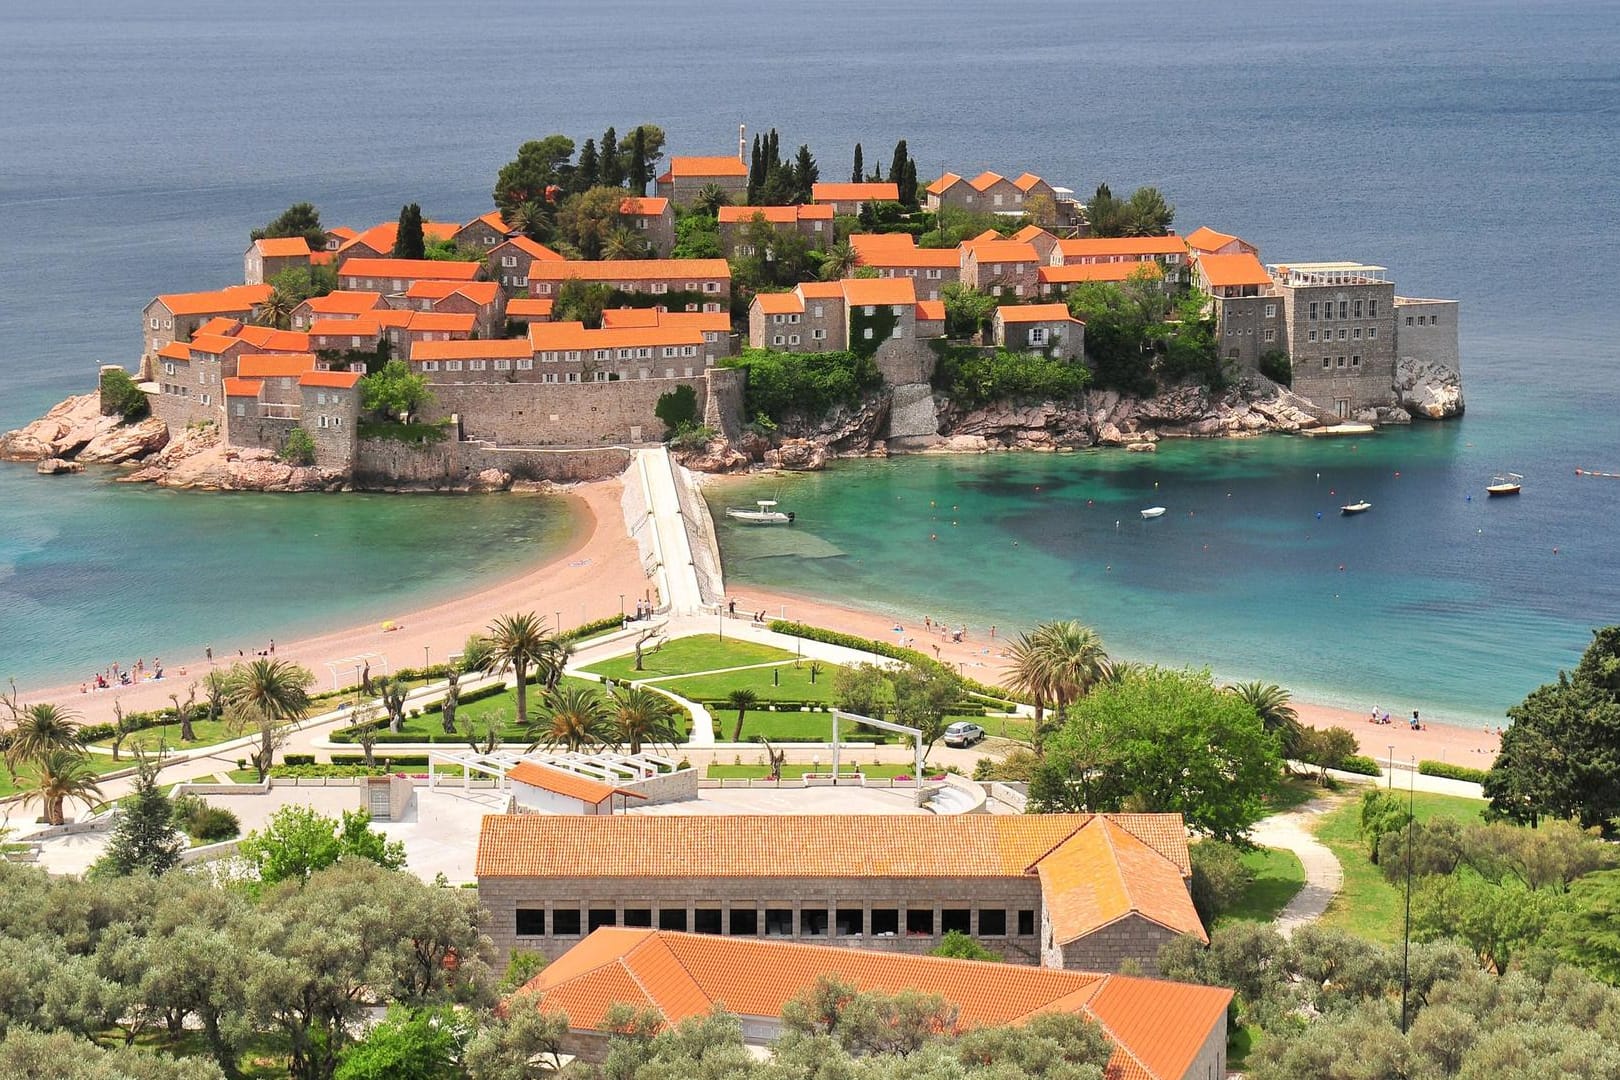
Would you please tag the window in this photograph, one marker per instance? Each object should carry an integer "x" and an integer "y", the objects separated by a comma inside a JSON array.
[
  {"x": 1409, "y": 320},
  {"x": 1271, "y": 311},
  {"x": 1037, "y": 335},
  {"x": 1355, "y": 334},
  {"x": 1313, "y": 309},
  {"x": 1358, "y": 309},
  {"x": 993, "y": 922},
  {"x": 544, "y": 288},
  {"x": 995, "y": 290},
  {"x": 818, "y": 335},
  {"x": 848, "y": 922},
  {"x": 793, "y": 339},
  {"x": 706, "y": 920},
  {"x": 207, "y": 399},
  {"x": 531, "y": 922},
  {"x": 573, "y": 376},
  {"x": 452, "y": 365},
  {"x": 935, "y": 275},
  {"x": 672, "y": 919},
  {"x": 565, "y": 923},
  {"x": 1344, "y": 309},
  {"x": 1372, "y": 309},
  {"x": 1271, "y": 335},
  {"x": 899, "y": 332},
  {"x": 779, "y": 339},
  {"x": 168, "y": 369},
  {"x": 430, "y": 365},
  {"x": 491, "y": 241},
  {"x": 1341, "y": 361},
  {"x": 603, "y": 917},
  {"x": 688, "y": 350},
  {"x": 508, "y": 260},
  {"x": 241, "y": 410},
  {"x": 641, "y": 223},
  {"x": 868, "y": 333},
  {"x": 711, "y": 286},
  {"x": 1355, "y": 361},
  {"x": 525, "y": 363},
  {"x": 1342, "y": 333},
  {"x": 911, "y": 272},
  {"x": 813, "y": 922},
  {"x": 1026, "y": 922},
  {"x": 599, "y": 376},
  {"x": 885, "y": 922},
  {"x": 1372, "y": 331},
  {"x": 503, "y": 365},
  {"x": 815, "y": 311},
  {"x": 919, "y": 922},
  {"x": 475, "y": 365},
  {"x": 1327, "y": 361},
  {"x": 1327, "y": 310},
  {"x": 744, "y": 922},
  {"x": 956, "y": 919},
  {"x": 660, "y": 287},
  {"x": 1310, "y": 335}
]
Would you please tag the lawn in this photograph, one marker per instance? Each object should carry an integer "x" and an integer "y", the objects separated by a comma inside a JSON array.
[
  {"x": 429, "y": 727},
  {"x": 703, "y": 652},
  {"x": 100, "y": 763},
  {"x": 803, "y": 726},
  {"x": 208, "y": 733},
  {"x": 1278, "y": 875},
  {"x": 1368, "y": 905},
  {"x": 1294, "y": 792},
  {"x": 782, "y": 682},
  {"x": 793, "y": 772}
]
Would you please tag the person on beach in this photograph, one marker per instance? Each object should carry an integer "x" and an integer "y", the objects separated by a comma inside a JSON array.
[
  {"x": 208, "y": 651},
  {"x": 1416, "y": 726},
  {"x": 272, "y": 646},
  {"x": 732, "y": 609}
]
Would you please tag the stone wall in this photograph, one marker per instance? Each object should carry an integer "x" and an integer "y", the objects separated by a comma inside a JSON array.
[
  {"x": 1129, "y": 938},
  {"x": 1433, "y": 341},
  {"x": 1342, "y": 375},
  {"x": 679, "y": 786},
  {"x": 905, "y": 360},
  {"x": 913, "y": 413},
  {"x": 699, "y": 536},
  {"x": 385, "y": 462},
  {"x": 252, "y": 432},
  {"x": 558, "y": 414},
  {"x": 723, "y": 408}
]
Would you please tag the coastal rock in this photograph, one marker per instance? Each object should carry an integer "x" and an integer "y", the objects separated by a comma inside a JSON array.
[
  {"x": 277, "y": 476},
  {"x": 1429, "y": 390},
  {"x": 718, "y": 455},
  {"x": 127, "y": 442},
  {"x": 56, "y": 466},
  {"x": 752, "y": 445},
  {"x": 1108, "y": 434},
  {"x": 1141, "y": 447},
  {"x": 69, "y": 425},
  {"x": 799, "y": 455},
  {"x": 491, "y": 480}
]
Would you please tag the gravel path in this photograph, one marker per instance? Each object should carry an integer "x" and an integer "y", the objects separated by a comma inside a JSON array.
[{"x": 1323, "y": 875}]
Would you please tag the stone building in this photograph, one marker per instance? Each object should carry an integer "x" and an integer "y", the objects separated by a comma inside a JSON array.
[
  {"x": 1338, "y": 322},
  {"x": 484, "y": 233},
  {"x": 1000, "y": 267},
  {"x": 1206, "y": 241},
  {"x": 509, "y": 262},
  {"x": 389, "y": 276},
  {"x": 715, "y": 326},
  {"x": 814, "y": 223},
  {"x": 1041, "y": 328},
  {"x": 652, "y": 219},
  {"x": 485, "y": 301},
  {"x": 541, "y": 789},
  {"x": 1426, "y": 332},
  {"x": 1058, "y": 280},
  {"x": 377, "y": 242},
  {"x": 847, "y": 198},
  {"x": 1071, "y": 891},
  {"x": 875, "y": 316},
  {"x": 264, "y": 259},
  {"x": 335, "y": 305},
  {"x": 686, "y": 178},
  {"x": 690, "y": 284},
  {"x": 176, "y": 316},
  {"x": 988, "y": 192},
  {"x": 1169, "y": 251},
  {"x": 1160, "y": 1030},
  {"x": 897, "y": 255},
  {"x": 1244, "y": 303},
  {"x": 277, "y": 395}
]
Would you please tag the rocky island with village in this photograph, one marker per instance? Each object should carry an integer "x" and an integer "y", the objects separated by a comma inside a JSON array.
[{"x": 751, "y": 314}]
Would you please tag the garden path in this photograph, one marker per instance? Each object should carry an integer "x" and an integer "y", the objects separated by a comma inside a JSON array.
[{"x": 1324, "y": 877}]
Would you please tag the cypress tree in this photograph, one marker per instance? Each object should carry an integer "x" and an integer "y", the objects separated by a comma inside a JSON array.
[
  {"x": 908, "y": 186},
  {"x": 805, "y": 173},
  {"x": 859, "y": 172},
  {"x": 144, "y": 840},
  {"x": 408, "y": 240},
  {"x": 773, "y": 154},
  {"x": 897, "y": 167},
  {"x": 636, "y": 163},
  {"x": 756, "y": 170},
  {"x": 589, "y": 166},
  {"x": 611, "y": 171}
]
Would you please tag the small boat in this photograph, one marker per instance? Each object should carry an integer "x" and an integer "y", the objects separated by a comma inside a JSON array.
[
  {"x": 1153, "y": 512},
  {"x": 766, "y": 513},
  {"x": 1355, "y": 508},
  {"x": 1504, "y": 484}
]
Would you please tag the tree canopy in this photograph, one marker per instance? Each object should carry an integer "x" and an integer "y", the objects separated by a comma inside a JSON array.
[
  {"x": 394, "y": 391},
  {"x": 299, "y": 219}
]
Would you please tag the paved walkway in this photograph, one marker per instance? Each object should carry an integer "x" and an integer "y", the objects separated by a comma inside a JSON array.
[{"x": 1323, "y": 875}]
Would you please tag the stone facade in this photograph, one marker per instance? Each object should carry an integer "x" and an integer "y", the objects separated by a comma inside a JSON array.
[
  {"x": 481, "y": 234},
  {"x": 1247, "y": 327},
  {"x": 1426, "y": 332},
  {"x": 686, "y": 178},
  {"x": 908, "y": 915},
  {"x": 331, "y": 416},
  {"x": 654, "y": 221},
  {"x": 1060, "y": 335},
  {"x": 381, "y": 463},
  {"x": 559, "y": 414},
  {"x": 1130, "y": 938},
  {"x": 1339, "y": 330},
  {"x": 1000, "y": 268}
]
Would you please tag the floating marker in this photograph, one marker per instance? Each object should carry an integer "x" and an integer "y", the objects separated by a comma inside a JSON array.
[
  {"x": 1319, "y": 515},
  {"x": 1397, "y": 475}
]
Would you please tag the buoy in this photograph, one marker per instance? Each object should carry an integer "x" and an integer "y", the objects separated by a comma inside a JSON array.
[
  {"x": 1109, "y": 568},
  {"x": 1479, "y": 532},
  {"x": 1555, "y": 551},
  {"x": 1155, "y": 483},
  {"x": 1116, "y": 524},
  {"x": 953, "y": 524},
  {"x": 1468, "y": 498},
  {"x": 1206, "y": 547},
  {"x": 933, "y": 536},
  {"x": 1397, "y": 474},
  {"x": 1319, "y": 515},
  {"x": 1089, "y": 502},
  {"x": 1331, "y": 491},
  {"x": 1341, "y": 566},
  {"x": 1319, "y": 476}
]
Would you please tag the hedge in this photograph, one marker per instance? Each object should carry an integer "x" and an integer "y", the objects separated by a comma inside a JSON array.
[
  {"x": 594, "y": 627},
  {"x": 883, "y": 648},
  {"x": 1451, "y": 772},
  {"x": 401, "y": 761},
  {"x": 299, "y": 759}
]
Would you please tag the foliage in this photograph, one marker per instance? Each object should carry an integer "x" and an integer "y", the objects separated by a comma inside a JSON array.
[
  {"x": 297, "y": 842},
  {"x": 677, "y": 408},
  {"x": 1164, "y": 741},
  {"x": 1272, "y": 704},
  {"x": 922, "y": 698},
  {"x": 1452, "y": 772},
  {"x": 59, "y": 1055},
  {"x": 1331, "y": 748},
  {"x": 521, "y": 966},
  {"x": 1382, "y": 814},
  {"x": 408, "y": 242},
  {"x": 870, "y": 326},
  {"x": 122, "y": 395},
  {"x": 1560, "y": 755},
  {"x": 588, "y": 219},
  {"x": 975, "y": 377},
  {"x": 144, "y": 839},
  {"x": 410, "y": 434},
  {"x": 953, "y": 225},
  {"x": 956, "y": 945},
  {"x": 477, "y": 654},
  {"x": 968, "y": 310},
  {"x": 203, "y": 822},
  {"x": 1145, "y": 213},
  {"x": 299, "y": 219},
  {"x": 409, "y": 1044},
  {"x": 572, "y": 718},
  {"x": 1019, "y": 764},
  {"x": 301, "y": 283},
  {"x": 523, "y": 642},
  {"x": 1588, "y": 934},
  {"x": 765, "y": 257},
  {"x": 878, "y": 648},
  {"x": 393, "y": 393},
  {"x": 1219, "y": 878},
  {"x": 62, "y": 776},
  {"x": 540, "y": 164},
  {"x": 266, "y": 694},
  {"x": 1276, "y": 365},
  {"x": 697, "y": 236},
  {"x": 1054, "y": 665},
  {"x": 297, "y": 448},
  {"x": 803, "y": 384}
]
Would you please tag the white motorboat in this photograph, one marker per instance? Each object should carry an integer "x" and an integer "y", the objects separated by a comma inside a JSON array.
[
  {"x": 1505, "y": 484},
  {"x": 765, "y": 513},
  {"x": 1153, "y": 512},
  {"x": 1355, "y": 508}
]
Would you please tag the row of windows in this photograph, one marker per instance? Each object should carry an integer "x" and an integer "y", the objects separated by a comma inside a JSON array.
[
  {"x": 1327, "y": 362},
  {"x": 930, "y": 275},
  {"x": 331, "y": 421},
  {"x": 1433, "y": 320},
  {"x": 778, "y": 922},
  {"x": 1346, "y": 307},
  {"x": 656, "y": 287},
  {"x": 1354, "y": 334},
  {"x": 1269, "y": 335},
  {"x": 793, "y": 339}
]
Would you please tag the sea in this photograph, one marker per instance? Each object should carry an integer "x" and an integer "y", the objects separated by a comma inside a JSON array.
[{"x": 1467, "y": 146}]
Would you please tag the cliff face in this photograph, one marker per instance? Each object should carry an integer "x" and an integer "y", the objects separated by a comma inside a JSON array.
[{"x": 75, "y": 430}]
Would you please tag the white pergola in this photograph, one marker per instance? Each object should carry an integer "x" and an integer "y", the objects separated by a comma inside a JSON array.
[
  {"x": 608, "y": 766},
  {"x": 354, "y": 663},
  {"x": 900, "y": 729}
]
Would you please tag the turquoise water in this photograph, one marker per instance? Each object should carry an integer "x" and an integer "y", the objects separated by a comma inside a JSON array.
[
  {"x": 102, "y": 572},
  {"x": 1432, "y": 600}
]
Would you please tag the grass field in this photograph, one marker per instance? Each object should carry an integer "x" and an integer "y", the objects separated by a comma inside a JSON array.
[
  {"x": 208, "y": 733},
  {"x": 783, "y": 682},
  {"x": 703, "y": 652},
  {"x": 429, "y": 727},
  {"x": 1278, "y": 876},
  {"x": 1368, "y": 905},
  {"x": 101, "y": 763},
  {"x": 793, "y": 772}
]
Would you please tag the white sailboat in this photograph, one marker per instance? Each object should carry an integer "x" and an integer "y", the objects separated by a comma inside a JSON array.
[
  {"x": 1505, "y": 484},
  {"x": 1153, "y": 512},
  {"x": 765, "y": 513}
]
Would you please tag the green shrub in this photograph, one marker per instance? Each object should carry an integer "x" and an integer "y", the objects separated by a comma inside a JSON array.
[
  {"x": 205, "y": 823},
  {"x": 299, "y": 759},
  {"x": 803, "y": 384},
  {"x": 1360, "y": 764},
  {"x": 1219, "y": 878},
  {"x": 299, "y": 448},
  {"x": 1451, "y": 772},
  {"x": 974, "y": 377},
  {"x": 593, "y": 628},
  {"x": 121, "y": 395},
  {"x": 692, "y": 437},
  {"x": 883, "y": 648},
  {"x": 677, "y": 408},
  {"x": 1276, "y": 366},
  {"x": 959, "y": 946},
  {"x": 405, "y": 433}
]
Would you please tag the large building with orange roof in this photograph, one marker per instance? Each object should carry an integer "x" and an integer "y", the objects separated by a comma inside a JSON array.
[
  {"x": 276, "y": 393},
  {"x": 176, "y": 316},
  {"x": 897, "y": 255},
  {"x": 652, "y": 219},
  {"x": 686, "y": 177},
  {"x": 389, "y": 276},
  {"x": 701, "y": 284},
  {"x": 1001, "y": 267},
  {"x": 484, "y": 233},
  {"x": 848, "y": 198},
  {"x": 814, "y": 223},
  {"x": 1075, "y": 891},
  {"x": 264, "y": 259},
  {"x": 990, "y": 193},
  {"x": 878, "y": 317},
  {"x": 1159, "y": 1030},
  {"x": 509, "y": 262},
  {"x": 1042, "y": 328}
]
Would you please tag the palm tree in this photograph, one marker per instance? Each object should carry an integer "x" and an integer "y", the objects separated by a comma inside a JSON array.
[
  {"x": 1028, "y": 676},
  {"x": 572, "y": 717},
  {"x": 551, "y": 668},
  {"x": 710, "y": 198},
  {"x": 521, "y": 641},
  {"x": 623, "y": 243},
  {"x": 266, "y": 693},
  {"x": 63, "y": 774},
  {"x": 532, "y": 219},
  {"x": 839, "y": 261},
  {"x": 276, "y": 310},
  {"x": 1272, "y": 704},
  {"x": 40, "y": 730},
  {"x": 1074, "y": 659},
  {"x": 742, "y": 700},
  {"x": 641, "y": 716}
]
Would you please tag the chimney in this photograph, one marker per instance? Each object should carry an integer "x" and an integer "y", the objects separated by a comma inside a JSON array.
[{"x": 742, "y": 143}]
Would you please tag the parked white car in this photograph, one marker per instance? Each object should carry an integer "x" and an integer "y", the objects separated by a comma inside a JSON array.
[{"x": 963, "y": 733}]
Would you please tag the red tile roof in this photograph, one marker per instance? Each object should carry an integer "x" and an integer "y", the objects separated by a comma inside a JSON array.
[
  {"x": 213, "y": 344},
  {"x": 821, "y": 290},
  {"x": 1026, "y": 313},
  {"x": 366, "y": 325},
  {"x": 1101, "y": 874},
  {"x": 282, "y": 247},
  {"x": 901, "y": 250},
  {"x": 339, "y": 380},
  {"x": 863, "y": 192},
  {"x": 778, "y": 303},
  {"x": 633, "y": 270},
  {"x": 533, "y": 248},
  {"x": 1158, "y": 1027},
  {"x": 619, "y": 318},
  {"x": 223, "y": 325},
  {"x": 493, "y": 219},
  {"x": 274, "y": 365},
  {"x": 776, "y": 215},
  {"x": 380, "y": 238},
  {"x": 1026, "y": 181},
  {"x": 930, "y": 311},
  {"x": 486, "y": 349},
  {"x": 269, "y": 339},
  {"x": 1108, "y": 271},
  {"x": 1233, "y": 270},
  {"x": 705, "y": 166},
  {"x": 229, "y": 300},
  {"x": 1205, "y": 238},
  {"x": 567, "y": 784},
  {"x": 479, "y": 292},
  {"x": 433, "y": 321},
  {"x": 176, "y": 350},
  {"x": 1140, "y": 246},
  {"x": 1029, "y": 232},
  {"x": 529, "y": 308},
  {"x": 874, "y": 291},
  {"x": 236, "y": 386},
  {"x": 550, "y": 337},
  {"x": 642, "y": 206},
  {"x": 1002, "y": 251},
  {"x": 344, "y": 303},
  {"x": 415, "y": 269}
]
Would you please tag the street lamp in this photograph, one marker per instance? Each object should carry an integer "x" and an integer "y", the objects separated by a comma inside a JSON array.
[
  {"x": 1391, "y": 785},
  {"x": 425, "y": 662},
  {"x": 558, "y": 623},
  {"x": 621, "y": 609}
]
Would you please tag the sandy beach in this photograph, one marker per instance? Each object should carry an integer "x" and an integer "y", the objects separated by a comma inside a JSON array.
[
  {"x": 979, "y": 656},
  {"x": 582, "y": 583}
]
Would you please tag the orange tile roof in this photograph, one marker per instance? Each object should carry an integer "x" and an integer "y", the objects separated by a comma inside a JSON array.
[
  {"x": 223, "y": 325},
  {"x": 986, "y": 179},
  {"x": 1029, "y": 232},
  {"x": 479, "y": 292},
  {"x": 776, "y": 215},
  {"x": 1101, "y": 874},
  {"x": 339, "y": 380},
  {"x": 214, "y": 344},
  {"x": 232, "y": 298},
  {"x": 366, "y": 325},
  {"x": 1205, "y": 238},
  {"x": 1025, "y": 313},
  {"x": 433, "y": 321},
  {"x": 344, "y": 303},
  {"x": 429, "y": 269},
  {"x": 619, "y": 318},
  {"x": 821, "y": 290},
  {"x": 342, "y": 232},
  {"x": 633, "y": 270},
  {"x": 642, "y": 206},
  {"x": 269, "y": 339},
  {"x": 893, "y": 290},
  {"x": 1026, "y": 181},
  {"x": 380, "y": 238},
  {"x": 1157, "y": 1027},
  {"x": 778, "y": 303},
  {"x": 322, "y": 258},
  {"x": 943, "y": 184},
  {"x": 573, "y": 335},
  {"x": 900, "y": 250},
  {"x": 930, "y": 311},
  {"x": 1240, "y": 269},
  {"x": 236, "y": 386},
  {"x": 706, "y": 166},
  {"x": 1108, "y": 271},
  {"x": 529, "y": 308},
  {"x": 176, "y": 350},
  {"x": 567, "y": 784},
  {"x": 746, "y": 845},
  {"x": 493, "y": 219},
  {"x": 282, "y": 247},
  {"x": 486, "y": 349},
  {"x": 533, "y": 248},
  {"x": 862, "y": 192},
  {"x": 274, "y": 365},
  {"x": 864, "y": 242},
  {"x": 1002, "y": 251},
  {"x": 1123, "y": 245}
]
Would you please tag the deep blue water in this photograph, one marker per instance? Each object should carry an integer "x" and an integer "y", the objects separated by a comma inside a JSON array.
[{"x": 1469, "y": 147}]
